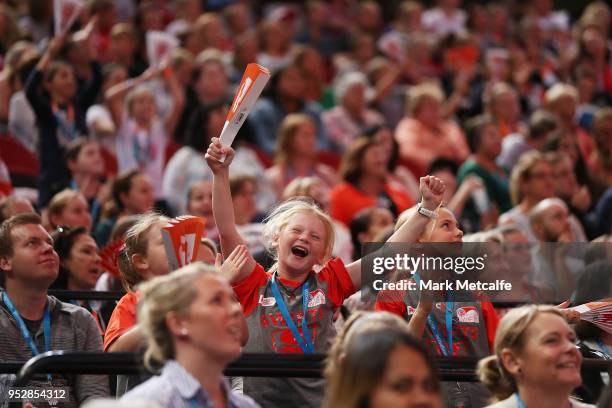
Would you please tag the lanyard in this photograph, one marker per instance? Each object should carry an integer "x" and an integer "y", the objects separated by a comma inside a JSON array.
[
  {"x": 603, "y": 348},
  {"x": 65, "y": 122},
  {"x": 433, "y": 326},
  {"x": 95, "y": 205},
  {"x": 24, "y": 329},
  {"x": 143, "y": 155},
  {"x": 448, "y": 313},
  {"x": 521, "y": 403},
  {"x": 306, "y": 341}
]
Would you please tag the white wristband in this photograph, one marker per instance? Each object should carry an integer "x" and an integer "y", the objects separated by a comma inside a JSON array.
[{"x": 425, "y": 212}]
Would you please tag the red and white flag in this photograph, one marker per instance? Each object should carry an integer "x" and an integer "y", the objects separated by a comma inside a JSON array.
[
  {"x": 159, "y": 47},
  {"x": 182, "y": 237},
  {"x": 253, "y": 82},
  {"x": 65, "y": 13},
  {"x": 597, "y": 313}
]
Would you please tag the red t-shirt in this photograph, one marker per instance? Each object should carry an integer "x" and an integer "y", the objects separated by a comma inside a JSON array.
[
  {"x": 346, "y": 201},
  {"x": 340, "y": 285},
  {"x": 122, "y": 319},
  {"x": 268, "y": 329},
  {"x": 392, "y": 301}
]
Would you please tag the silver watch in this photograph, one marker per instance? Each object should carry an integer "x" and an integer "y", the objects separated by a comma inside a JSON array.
[{"x": 425, "y": 212}]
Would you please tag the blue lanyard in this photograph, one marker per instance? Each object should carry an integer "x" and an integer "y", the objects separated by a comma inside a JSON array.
[
  {"x": 67, "y": 127},
  {"x": 448, "y": 313},
  {"x": 24, "y": 329},
  {"x": 521, "y": 403},
  {"x": 603, "y": 348},
  {"x": 95, "y": 205},
  {"x": 306, "y": 341},
  {"x": 142, "y": 154},
  {"x": 433, "y": 326}
]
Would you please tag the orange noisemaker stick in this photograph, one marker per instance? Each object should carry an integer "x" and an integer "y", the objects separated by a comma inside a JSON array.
[{"x": 253, "y": 82}]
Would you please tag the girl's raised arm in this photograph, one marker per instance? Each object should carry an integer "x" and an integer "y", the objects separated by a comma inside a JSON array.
[
  {"x": 223, "y": 209},
  {"x": 432, "y": 192},
  {"x": 178, "y": 96},
  {"x": 115, "y": 95}
]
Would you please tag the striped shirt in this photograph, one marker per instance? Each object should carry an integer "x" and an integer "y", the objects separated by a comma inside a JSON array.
[
  {"x": 176, "y": 388},
  {"x": 72, "y": 329}
]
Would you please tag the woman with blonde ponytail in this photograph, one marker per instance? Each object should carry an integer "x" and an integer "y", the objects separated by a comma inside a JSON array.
[
  {"x": 536, "y": 362},
  {"x": 193, "y": 328}
]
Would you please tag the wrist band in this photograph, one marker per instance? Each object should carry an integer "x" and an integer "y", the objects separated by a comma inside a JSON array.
[{"x": 425, "y": 212}]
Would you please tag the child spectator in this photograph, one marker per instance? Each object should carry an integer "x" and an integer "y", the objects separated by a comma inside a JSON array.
[
  {"x": 300, "y": 236},
  {"x": 60, "y": 114},
  {"x": 316, "y": 189},
  {"x": 142, "y": 136},
  {"x": 444, "y": 335}
]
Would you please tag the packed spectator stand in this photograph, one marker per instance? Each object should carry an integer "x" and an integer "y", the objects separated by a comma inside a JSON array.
[{"x": 426, "y": 125}]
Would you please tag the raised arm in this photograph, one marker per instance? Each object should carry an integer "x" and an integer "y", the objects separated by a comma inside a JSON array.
[
  {"x": 432, "y": 192},
  {"x": 223, "y": 209},
  {"x": 40, "y": 105},
  {"x": 178, "y": 96},
  {"x": 115, "y": 95}
]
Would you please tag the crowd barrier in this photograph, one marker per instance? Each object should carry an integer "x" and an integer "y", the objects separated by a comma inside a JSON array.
[
  {"x": 248, "y": 365},
  {"x": 66, "y": 295}
]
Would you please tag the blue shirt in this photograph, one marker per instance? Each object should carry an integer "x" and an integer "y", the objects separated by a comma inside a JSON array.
[
  {"x": 267, "y": 116},
  {"x": 175, "y": 387}
]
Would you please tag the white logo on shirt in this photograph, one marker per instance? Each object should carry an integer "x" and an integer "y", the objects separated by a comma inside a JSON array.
[
  {"x": 269, "y": 301},
  {"x": 316, "y": 298}
]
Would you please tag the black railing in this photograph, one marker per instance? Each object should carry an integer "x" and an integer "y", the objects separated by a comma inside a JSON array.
[
  {"x": 66, "y": 295},
  {"x": 248, "y": 365}
]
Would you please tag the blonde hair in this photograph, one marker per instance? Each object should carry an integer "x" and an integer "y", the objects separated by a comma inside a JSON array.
[
  {"x": 300, "y": 186},
  {"x": 520, "y": 173},
  {"x": 60, "y": 201},
  {"x": 139, "y": 91},
  {"x": 497, "y": 91},
  {"x": 161, "y": 295},
  {"x": 280, "y": 217},
  {"x": 358, "y": 322},
  {"x": 286, "y": 135},
  {"x": 510, "y": 335},
  {"x": 420, "y": 93},
  {"x": 558, "y": 91},
  {"x": 136, "y": 242}
]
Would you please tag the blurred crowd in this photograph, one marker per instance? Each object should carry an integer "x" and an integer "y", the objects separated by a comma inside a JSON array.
[{"x": 494, "y": 117}]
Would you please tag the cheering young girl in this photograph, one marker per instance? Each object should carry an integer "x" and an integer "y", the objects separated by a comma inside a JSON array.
[{"x": 290, "y": 308}]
